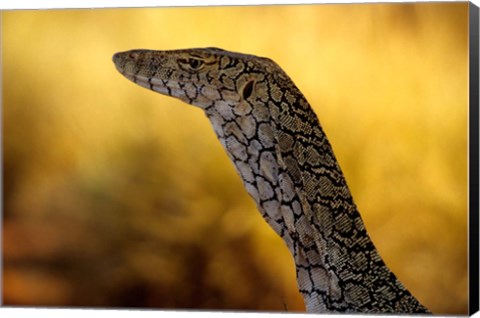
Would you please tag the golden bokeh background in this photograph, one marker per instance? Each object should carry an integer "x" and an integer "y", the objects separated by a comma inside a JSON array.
[{"x": 117, "y": 196}]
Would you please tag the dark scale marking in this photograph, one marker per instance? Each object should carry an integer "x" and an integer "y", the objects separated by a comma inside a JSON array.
[{"x": 301, "y": 192}]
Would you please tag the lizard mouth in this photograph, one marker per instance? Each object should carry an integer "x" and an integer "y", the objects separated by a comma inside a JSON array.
[
  {"x": 191, "y": 92},
  {"x": 165, "y": 87}
]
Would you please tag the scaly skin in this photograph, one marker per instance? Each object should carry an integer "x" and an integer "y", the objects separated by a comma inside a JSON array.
[{"x": 287, "y": 166}]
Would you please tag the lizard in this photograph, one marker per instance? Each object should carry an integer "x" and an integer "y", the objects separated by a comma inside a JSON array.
[{"x": 287, "y": 165}]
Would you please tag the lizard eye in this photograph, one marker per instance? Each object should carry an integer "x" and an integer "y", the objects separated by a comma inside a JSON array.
[
  {"x": 195, "y": 64},
  {"x": 191, "y": 63}
]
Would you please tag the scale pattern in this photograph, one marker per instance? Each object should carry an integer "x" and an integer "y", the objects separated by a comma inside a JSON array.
[{"x": 288, "y": 167}]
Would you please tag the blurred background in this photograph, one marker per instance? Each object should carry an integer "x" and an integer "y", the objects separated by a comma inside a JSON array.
[{"x": 115, "y": 196}]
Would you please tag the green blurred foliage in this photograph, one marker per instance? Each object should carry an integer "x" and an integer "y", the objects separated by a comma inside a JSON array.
[{"x": 117, "y": 196}]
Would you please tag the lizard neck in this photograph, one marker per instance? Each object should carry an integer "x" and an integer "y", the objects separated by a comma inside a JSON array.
[{"x": 338, "y": 268}]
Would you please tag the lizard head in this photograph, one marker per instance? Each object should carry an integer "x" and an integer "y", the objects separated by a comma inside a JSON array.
[{"x": 202, "y": 77}]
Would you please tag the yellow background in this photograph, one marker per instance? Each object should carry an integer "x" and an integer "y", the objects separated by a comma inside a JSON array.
[{"x": 117, "y": 196}]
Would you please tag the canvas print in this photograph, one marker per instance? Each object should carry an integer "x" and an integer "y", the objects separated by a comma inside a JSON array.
[{"x": 285, "y": 158}]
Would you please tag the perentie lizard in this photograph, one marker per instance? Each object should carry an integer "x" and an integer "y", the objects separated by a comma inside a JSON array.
[{"x": 288, "y": 167}]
